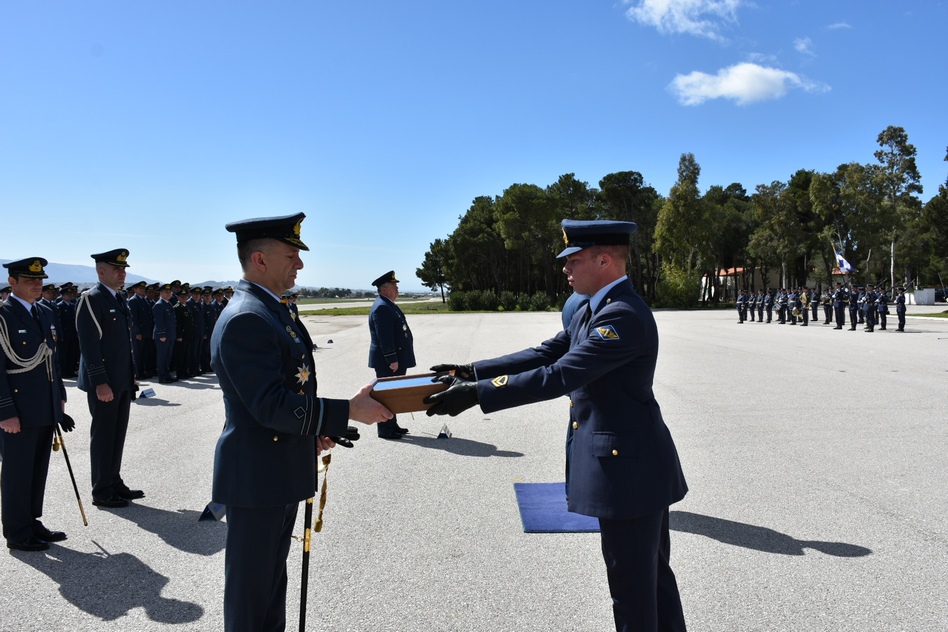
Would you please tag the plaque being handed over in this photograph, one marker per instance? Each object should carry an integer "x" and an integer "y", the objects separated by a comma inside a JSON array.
[{"x": 406, "y": 393}]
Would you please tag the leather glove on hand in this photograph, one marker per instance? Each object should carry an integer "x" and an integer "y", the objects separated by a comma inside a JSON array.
[
  {"x": 462, "y": 371},
  {"x": 67, "y": 424},
  {"x": 352, "y": 434},
  {"x": 459, "y": 396}
]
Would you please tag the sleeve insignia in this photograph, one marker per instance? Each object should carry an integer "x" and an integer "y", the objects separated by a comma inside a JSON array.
[
  {"x": 607, "y": 333},
  {"x": 499, "y": 381}
]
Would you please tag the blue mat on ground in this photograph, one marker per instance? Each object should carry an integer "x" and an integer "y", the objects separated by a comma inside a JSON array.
[{"x": 543, "y": 510}]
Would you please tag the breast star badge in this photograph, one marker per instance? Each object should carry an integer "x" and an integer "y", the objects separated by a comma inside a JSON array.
[{"x": 302, "y": 375}]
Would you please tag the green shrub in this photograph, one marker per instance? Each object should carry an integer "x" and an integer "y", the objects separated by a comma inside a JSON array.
[
  {"x": 508, "y": 301},
  {"x": 458, "y": 302},
  {"x": 678, "y": 289}
]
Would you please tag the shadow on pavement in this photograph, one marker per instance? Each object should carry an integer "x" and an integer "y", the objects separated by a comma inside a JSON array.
[
  {"x": 455, "y": 445},
  {"x": 179, "y": 529},
  {"x": 110, "y": 586},
  {"x": 758, "y": 538}
]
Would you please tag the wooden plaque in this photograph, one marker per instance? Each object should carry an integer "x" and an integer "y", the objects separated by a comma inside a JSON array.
[{"x": 406, "y": 393}]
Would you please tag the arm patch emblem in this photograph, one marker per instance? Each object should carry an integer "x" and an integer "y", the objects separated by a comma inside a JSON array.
[
  {"x": 499, "y": 381},
  {"x": 607, "y": 333}
]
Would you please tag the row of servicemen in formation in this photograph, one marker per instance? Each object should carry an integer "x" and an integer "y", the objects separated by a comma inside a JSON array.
[
  {"x": 171, "y": 326},
  {"x": 867, "y": 305}
]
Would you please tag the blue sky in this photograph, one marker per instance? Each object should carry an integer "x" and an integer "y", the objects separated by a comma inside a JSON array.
[{"x": 149, "y": 125}]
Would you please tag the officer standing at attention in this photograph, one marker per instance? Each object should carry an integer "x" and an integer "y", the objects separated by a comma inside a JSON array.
[
  {"x": 142, "y": 326},
  {"x": 392, "y": 347},
  {"x": 869, "y": 308},
  {"x": 32, "y": 400},
  {"x": 199, "y": 329},
  {"x": 107, "y": 375},
  {"x": 275, "y": 425},
  {"x": 164, "y": 334},
  {"x": 900, "y": 308},
  {"x": 856, "y": 295},
  {"x": 68, "y": 350},
  {"x": 621, "y": 462},
  {"x": 881, "y": 307},
  {"x": 840, "y": 301}
]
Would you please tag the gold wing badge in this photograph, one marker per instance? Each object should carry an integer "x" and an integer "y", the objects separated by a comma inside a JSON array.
[{"x": 607, "y": 332}]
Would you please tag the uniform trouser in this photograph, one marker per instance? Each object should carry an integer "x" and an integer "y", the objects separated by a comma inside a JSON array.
[
  {"x": 387, "y": 428},
  {"x": 644, "y": 591},
  {"x": 148, "y": 351},
  {"x": 828, "y": 313},
  {"x": 139, "y": 354},
  {"x": 750, "y": 312},
  {"x": 854, "y": 316},
  {"x": 23, "y": 479},
  {"x": 164, "y": 352},
  {"x": 107, "y": 442},
  {"x": 840, "y": 315},
  {"x": 816, "y": 311},
  {"x": 881, "y": 316},
  {"x": 257, "y": 545},
  {"x": 194, "y": 355},
  {"x": 206, "y": 355},
  {"x": 870, "y": 319},
  {"x": 861, "y": 315},
  {"x": 901, "y": 315},
  {"x": 180, "y": 356},
  {"x": 760, "y": 313},
  {"x": 782, "y": 313},
  {"x": 806, "y": 315},
  {"x": 68, "y": 357},
  {"x": 770, "y": 313}
]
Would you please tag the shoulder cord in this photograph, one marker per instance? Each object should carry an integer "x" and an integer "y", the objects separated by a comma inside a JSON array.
[
  {"x": 43, "y": 354},
  {"x": 83, "y": 299}
]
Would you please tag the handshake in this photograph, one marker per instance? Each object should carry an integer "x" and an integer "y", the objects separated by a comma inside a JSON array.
[{"x": 461, "y": 393}]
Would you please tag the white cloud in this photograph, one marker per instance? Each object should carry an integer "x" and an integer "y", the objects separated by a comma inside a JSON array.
[
  {"x": 744, "y": 83},
  {"x": 804, "y": 45},
  {"x": 838, "y": 25},
  {"x": 702, "y": 18}
]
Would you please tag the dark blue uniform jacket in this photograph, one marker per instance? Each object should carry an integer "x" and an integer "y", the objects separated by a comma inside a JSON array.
[
  {"x": 391, "y": 339},
  {"x": 621, "y": 461},
  {"x": 266, "y": 454}
]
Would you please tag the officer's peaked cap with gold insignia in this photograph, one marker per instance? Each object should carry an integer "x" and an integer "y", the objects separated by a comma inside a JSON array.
[
  {"x": 117, "y": 257},
  {"x": 285, "y": 228},
  {"x": 30, "y": 268},
  {"x": 582, "y": 234},
  {"x": 388, "y": 277}
]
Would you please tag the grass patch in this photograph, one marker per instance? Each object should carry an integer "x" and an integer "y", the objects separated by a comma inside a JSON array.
[
  {"x": 424, "y": 307},
  {"x": 935, "y": 315}
]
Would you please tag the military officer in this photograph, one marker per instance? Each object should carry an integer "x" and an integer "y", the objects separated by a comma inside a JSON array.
[
  {"x": 107, "y": 375},
  {"x": 900, "y": 307},
  {"x": 827, "y": 301},
  {"x": 769, "y": 305},
  {"x": 760, "y": 305},
  {"x": 751, "y": 305},
  {"x": 621, "y": 463},
  {"x": 4, "y": 293},
  {"x": 199, "y": 329},
  {"x": 165, "y": 334},
  {"x": 210, "y": 320},
  {"x": 68, "y": 350},
  {"x": 142, "y": 322},
  {"x": 841, "y": 299},
  {"x": 741, "y": 304},
  {"x": 32, "y": 401},
  {"x": 815, "y": 303},
  {"x": 391, "y": 346},
  {"x": 275, "y": 424},
  {"x": 881, "y": 308},
  {"x": 869, "y": 307},
  {"x": 184, "y": 329}
]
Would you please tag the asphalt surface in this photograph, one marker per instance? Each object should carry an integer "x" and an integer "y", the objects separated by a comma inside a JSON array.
[{"x": 816, "y": 460}]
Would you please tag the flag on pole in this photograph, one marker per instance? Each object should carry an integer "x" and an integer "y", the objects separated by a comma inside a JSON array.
[{"x": 844, "y": 266}]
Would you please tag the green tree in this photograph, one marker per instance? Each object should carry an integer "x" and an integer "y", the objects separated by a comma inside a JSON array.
[
  {"x": 526, "y": 219},
  {"x": 682, "y": 229},
  {"x": 898, "y": 181},
  {"x": 431, "y": 271}
]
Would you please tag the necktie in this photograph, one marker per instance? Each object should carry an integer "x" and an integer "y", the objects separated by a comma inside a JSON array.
[{"x": 35, "y": 314}]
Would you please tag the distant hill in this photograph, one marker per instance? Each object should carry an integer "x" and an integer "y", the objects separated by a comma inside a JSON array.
[{"x": 85, "y": 276}]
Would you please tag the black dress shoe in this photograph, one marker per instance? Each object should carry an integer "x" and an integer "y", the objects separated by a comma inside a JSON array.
[
  {"x": 32, "y": 543},
  {"x": 130, "y": 494},
  {"x": 113, "y": 501},
  {"x": 43, "y": 533},
  {"x": 401, "y": 431}
]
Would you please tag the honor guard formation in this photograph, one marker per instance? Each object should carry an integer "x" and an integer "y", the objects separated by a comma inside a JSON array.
[{"x": 866, "y": 305}]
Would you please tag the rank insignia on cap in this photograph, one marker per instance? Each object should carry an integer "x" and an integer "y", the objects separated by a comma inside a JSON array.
[
  {"x": 607, "y": 333},
  {"x": 36, "y": 266},
  {"x": 499, "y": 381}
]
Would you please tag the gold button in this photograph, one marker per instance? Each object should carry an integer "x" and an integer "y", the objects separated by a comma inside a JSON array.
[
  {"x": 615, "y": 453},
  {"x": 575, "y": 425},
  {"x": 276, "y": 438},
  {"x": 570, "y": 403}
]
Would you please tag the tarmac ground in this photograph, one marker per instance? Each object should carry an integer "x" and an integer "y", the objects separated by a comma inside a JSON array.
[{"x": 816, "y": 461}]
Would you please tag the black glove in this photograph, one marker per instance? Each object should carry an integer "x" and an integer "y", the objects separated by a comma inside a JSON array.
[
  {"x": 352, "y": 434},
  {"x": 459, "y": 396},
  {"x": 67, "y": 424},
  {"x": 462, "y": 371}
]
